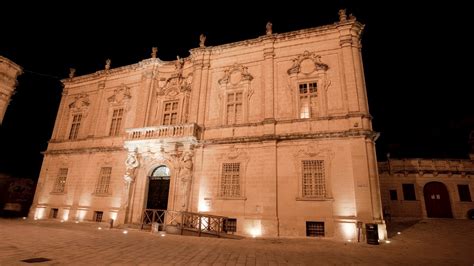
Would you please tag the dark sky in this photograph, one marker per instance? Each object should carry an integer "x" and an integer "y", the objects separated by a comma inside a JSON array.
[{"x": 416, "y": 61}]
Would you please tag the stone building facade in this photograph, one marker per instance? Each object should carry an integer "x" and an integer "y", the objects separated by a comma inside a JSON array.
[
  {"x": 274, "y": 132},
  {"x": 428, "y": 188},
  {"x": 9, "y": 71}
]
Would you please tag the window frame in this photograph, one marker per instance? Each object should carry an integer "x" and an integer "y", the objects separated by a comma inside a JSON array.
[
  {"x": 407, "y": 193},
  {"x": 466, "y": 189},
  {"x": 170, "y": 112},
  {"x": 116, "y": 122},
  {"x": 312, "y": 111},
  {"x": 75, "y": 126},
  {"x": 103, "y": 175},
  {"x": 59, "y": 186}
]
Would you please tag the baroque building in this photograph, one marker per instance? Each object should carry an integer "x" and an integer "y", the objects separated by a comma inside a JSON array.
[
  {"x": 273, "y": 133},
  {"x": 9, "y": 71}
]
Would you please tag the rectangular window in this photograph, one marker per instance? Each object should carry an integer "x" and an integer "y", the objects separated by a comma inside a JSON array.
[
  {"x": 393, "y": 194},
  {"x": 230, "y": 225},
  {"x": 76, "y": 124},
  {"x": 234, "y": 108},
  {"x": 409, "y": 192},
  {"x": 54, "y": 213},
  {"x": 308, "y": 99},
  {"x": 98, "y": 216},
  {"x": 313, "y": 179},
  {"x": 116, "y": 124},
  {"x": 60, "y": 184},
  {"x": 230, "y": 180},
  {"x": 170, "y": 113},
  {"x": 314, "y": 228},
  {"x": 464, "y": 193},
  {"x": 104, "y": 181}
]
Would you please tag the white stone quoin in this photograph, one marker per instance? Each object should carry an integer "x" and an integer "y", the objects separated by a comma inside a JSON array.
[
  {"x": 274, "y": 132},
  {"x": 9, "y": 71}
]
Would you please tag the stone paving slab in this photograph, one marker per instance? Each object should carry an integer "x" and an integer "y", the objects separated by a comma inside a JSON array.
[{"x": 433, "y": 242}]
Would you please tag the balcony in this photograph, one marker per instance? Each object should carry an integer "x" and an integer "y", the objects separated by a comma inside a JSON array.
[{"x": 162, "y": 132}]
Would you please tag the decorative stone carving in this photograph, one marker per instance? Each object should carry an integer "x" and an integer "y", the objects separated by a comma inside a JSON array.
[
  {"x": 131, "y": 164},
  {"x": 269, "y": 30},
  {"x": 154, "y": 51},
  {"x": 185, "y": 177},
  {"x": 307, "y": 63},
  {"x": 72, "y": 72},
  {"x": 342, "y": 15},
  {"x": 202, "y": 40},
  {"x": 235, "y": 74},
  {"x": 80, "y": 103},
  {"x": 107, "y": 63},
  {"x": 121, "y": 95}
]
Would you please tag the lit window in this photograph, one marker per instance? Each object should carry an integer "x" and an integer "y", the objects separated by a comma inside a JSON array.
[
  {"x": 308, "y": 99},
  {"x": 116, "y": 124},
  {"x": 234, "y": 108},
  {"x": 104, "y": 181},
  {"x": 60, "y": 184},
  {"x": 230, "y": 180},
  {"x": 170, "y": 113},
  {"x": 314, "y": 185},
  {"x": 76, "y": 123}
]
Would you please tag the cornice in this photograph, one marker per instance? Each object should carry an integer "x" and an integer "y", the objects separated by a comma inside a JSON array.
[
  {"x": 83, "y": 150},
  {"x": 11, "y": 64}
]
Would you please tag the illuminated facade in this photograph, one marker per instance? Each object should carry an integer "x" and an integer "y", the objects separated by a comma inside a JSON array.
[
  {"x": 274, "y": 132},
  {"x": 9, "y": 71}
]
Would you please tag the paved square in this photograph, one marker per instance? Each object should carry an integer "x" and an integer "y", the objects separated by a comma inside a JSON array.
[{"x": 428, "y": 242}]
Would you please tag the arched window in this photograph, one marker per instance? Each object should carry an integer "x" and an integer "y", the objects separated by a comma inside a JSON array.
[{"x": 161, "y": 172}]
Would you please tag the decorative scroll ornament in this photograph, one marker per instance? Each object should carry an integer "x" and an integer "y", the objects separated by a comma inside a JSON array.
[
  {"x": 80, "y": 103},
  {"x": 121, "y": 95},
  {"x": 235, "y": 74},
  {"x": 307, "y": 63}
]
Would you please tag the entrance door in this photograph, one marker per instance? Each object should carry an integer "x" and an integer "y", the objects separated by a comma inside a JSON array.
[
  {"x": 158, "y": 188},
  {"x": 437, "y": 200}
]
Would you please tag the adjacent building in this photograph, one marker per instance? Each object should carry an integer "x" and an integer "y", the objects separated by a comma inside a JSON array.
[
  {"x": 272, "y": 132},
  {"x": 428, "y": 188},
  {"x": 9, "y": 71}
]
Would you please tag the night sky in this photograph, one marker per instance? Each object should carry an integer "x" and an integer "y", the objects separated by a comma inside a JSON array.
[{"x": 416, "y": 61}]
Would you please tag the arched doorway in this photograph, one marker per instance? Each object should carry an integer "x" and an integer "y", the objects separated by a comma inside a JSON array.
[
  {"x": 158, "y": 188},
  {"x": 437, "y": 200}
]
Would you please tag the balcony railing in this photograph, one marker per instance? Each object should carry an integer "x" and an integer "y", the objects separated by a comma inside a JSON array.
[{"x": 171, "y": 131}]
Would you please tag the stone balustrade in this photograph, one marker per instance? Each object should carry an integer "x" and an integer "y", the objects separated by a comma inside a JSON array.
[
  {"x": 420, "y": 166},
  {"x": 171, "y": 131}
]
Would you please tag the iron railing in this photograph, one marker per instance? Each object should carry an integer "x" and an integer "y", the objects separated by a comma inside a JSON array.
[{"x": 200, "y": 223}]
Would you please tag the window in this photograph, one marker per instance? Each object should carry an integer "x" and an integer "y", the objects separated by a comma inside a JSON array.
[
  {"x": 313, "y": 179},
  {"x": 76, "y": 123},
  {"x": 230, "y": 225},
  {"x": 308, "y": 99},
  {"x": 234, "y": 108},
  {"x": 104, "y": 181},
  {"x": 98, "y": 216},
  {"x": 408, "y": 191},
  {"x": 230, "y": 180},
  {"x": 393, "y": 194},
  {"x": 60, "y": 184},
  {"x": 54, "y": 213},
  {"x": 314, "y": 228},
  {"x": 170, "y": 113},
  {"x": 464, "y": 193},
  {"x": 116, "y": 124}
]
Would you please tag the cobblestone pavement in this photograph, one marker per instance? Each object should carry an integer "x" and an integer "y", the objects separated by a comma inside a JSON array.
[{"x": 429, "y": 242}]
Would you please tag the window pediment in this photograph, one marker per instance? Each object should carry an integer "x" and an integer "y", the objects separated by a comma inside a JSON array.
[
  {"x": 121, "y": 95},
  {"x": 235, "y": 75},
  {"x": 80, "y": 103},
  {"x": 307, "y": 63}
]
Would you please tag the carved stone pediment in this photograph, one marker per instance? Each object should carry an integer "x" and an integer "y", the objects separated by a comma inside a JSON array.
[
  {"x": 121, "y": 95},
  {"x": 80, "y": 103},
  {"x": 234, "y": 154},
  {"x": 174, "y": 85},
  {"x": 235, "y": 74},
  {"x": 313, "y": 151},
  {"x": 307, "y": 63}
]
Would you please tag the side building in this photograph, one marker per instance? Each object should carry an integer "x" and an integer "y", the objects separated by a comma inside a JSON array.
[
  {"x": 427, "y": 188},
  {"x": 273, "y": 132},
  {"x": 9, "y": 71}
]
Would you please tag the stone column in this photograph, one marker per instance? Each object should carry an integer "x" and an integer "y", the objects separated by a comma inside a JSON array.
[
  {"x": 198, "y": 63},
  {"x": 268, "y": 79},
  {"x": 204, "y": 88}
]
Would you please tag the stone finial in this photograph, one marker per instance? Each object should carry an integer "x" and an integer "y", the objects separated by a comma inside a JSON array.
[
  {"x": 72, "y": 72},
  {"x": 179, "y": 63},
  {"x": 107, "y": 63},
  {"x": 342, "y": 15},
  {"x": 202, "y": 40},
  {"x": 269, "y": 30},
  {"x": 352, "y": 17},
  {"x": 154, "y": 51}
]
